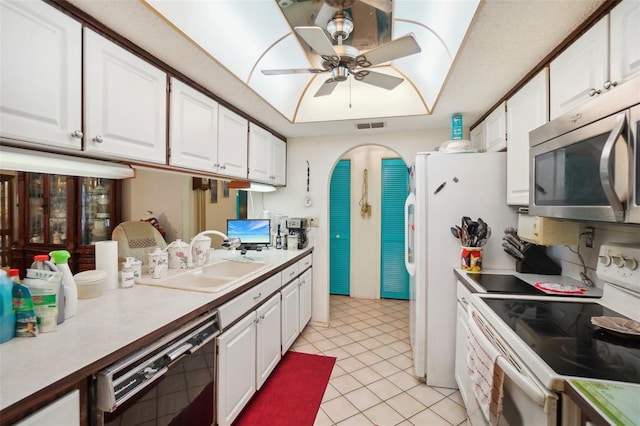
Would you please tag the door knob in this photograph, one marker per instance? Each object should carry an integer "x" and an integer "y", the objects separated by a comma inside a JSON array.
[
  {"x": 98, "y": 139},
  {"x": 337, "y": 236},
  {"x": 77, "y": 134},
  {"x": 609, "y": 84},
  {"x": 593, "y": 92}
]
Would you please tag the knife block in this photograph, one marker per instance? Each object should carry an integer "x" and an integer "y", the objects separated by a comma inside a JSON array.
[{"x": 536, "y": 261}]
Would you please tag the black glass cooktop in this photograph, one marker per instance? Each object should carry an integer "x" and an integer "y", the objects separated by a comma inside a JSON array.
[
  {"x": 496, "y": 283},
  {"x": 561, "y": 333}
]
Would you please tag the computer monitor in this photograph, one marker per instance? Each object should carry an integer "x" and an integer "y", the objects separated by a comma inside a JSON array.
[{"x": 253, "y": 233}]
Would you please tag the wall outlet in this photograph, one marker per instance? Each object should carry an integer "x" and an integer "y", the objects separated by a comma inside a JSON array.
[
  {"x": 588, "y": 236},
  {"x": 313, "y": 221}
]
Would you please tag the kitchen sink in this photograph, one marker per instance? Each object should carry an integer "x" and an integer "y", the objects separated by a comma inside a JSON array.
[{"x": 211, "y": 278}]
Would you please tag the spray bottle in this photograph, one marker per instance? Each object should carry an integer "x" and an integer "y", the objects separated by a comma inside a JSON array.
[{"x": 61, "y": 258}]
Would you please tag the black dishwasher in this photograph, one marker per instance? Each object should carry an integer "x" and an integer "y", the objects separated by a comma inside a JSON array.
[{"x": 170, "y": 382}]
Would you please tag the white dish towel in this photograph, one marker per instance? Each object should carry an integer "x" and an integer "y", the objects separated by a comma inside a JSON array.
[{"x": 485, "y": 377}]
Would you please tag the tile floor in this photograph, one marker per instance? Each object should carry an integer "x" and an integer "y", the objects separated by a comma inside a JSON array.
[{"x": 372, "y": 382}]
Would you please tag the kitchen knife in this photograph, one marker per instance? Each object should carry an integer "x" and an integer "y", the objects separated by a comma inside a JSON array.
[
  {"x": 515, "y": 241},
  {"x": 509, "y": 248}
]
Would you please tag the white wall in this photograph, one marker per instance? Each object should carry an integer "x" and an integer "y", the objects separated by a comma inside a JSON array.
[
  {"x": 168, "y": 195},
  {"x": 323, "y": 153}
]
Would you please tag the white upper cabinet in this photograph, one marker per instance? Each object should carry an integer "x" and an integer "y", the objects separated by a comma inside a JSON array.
[
  {"x": 267, "y": 157},
  {"x": 477, "y": 138},
  {"x": 125, "y": 103},
  {"x": 495, "y": 129},
  {"x": 40, "y": 75},
  {"x": 193, "y": 124},
  {"x": 526, "y": 110},
  {"x": 233, "y": 133},
  {"x": 259, "y": 154},
  {"x": 624, "y": 41},
  {"x": 579, "y": 72},
  {"x": 279, "y": 161}
]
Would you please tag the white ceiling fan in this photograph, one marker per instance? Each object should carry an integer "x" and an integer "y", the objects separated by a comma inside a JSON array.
[{"x": 343, "y": 60}]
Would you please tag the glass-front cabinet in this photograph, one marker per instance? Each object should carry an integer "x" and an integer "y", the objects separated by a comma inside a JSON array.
[{"x": 64, "y": 212}]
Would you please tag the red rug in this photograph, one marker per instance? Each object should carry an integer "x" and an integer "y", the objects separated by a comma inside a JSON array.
[{"x": 292, "y": 394}]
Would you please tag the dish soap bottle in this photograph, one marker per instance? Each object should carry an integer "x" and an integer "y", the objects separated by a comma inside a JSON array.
[
  {"x": 70, "y": 292},
  {"x": 7, "y": 316},
  {"x": 127, "y": 277}
]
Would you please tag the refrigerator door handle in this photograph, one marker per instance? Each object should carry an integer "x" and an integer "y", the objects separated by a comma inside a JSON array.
[{"x": 409, "y": 240}]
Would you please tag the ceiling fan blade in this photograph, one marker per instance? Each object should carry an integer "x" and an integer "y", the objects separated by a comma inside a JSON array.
[
  {"x": 318, "y": 40},
  {"x": 377, "y": 79},
  {"x": 326, "y": 88},
  {"x": 293, "y": 71},
  {"x": 324, "y": 15},
  {"x": 395, "y": 49},
  {"x": 383, "y": 5}
]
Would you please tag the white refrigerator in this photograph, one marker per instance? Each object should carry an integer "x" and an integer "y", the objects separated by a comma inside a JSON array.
[{"x": 445, "y": 187}]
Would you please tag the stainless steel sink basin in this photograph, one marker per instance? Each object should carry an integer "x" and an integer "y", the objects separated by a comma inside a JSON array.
[{"x": 210, "y": 278}]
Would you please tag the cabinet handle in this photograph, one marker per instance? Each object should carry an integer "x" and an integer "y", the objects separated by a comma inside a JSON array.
[
  {"x": 609, "y": 84},
  {"x": 98, "y": 139},
  {"x": 464, "y": 302},
  {"x": 77, "y": 134},
  {"x": 223, "y": 166},
  {"x": 258, "y": 296},
  {"x": 593, "y": 92},
  {"x": 216, "y": 165}
]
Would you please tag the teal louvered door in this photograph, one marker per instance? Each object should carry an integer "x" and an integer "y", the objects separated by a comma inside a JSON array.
[
  {"x": 339, "y": 228},
  {"x": 394, "y": 278}
]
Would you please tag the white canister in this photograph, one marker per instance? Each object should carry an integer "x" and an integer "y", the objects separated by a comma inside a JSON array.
[
  {"x": 137, "y": 267},
  {"x": 200, "y": 247},
  {"x": 178, "y": 251},
  {"x": 158, "y": 263}
]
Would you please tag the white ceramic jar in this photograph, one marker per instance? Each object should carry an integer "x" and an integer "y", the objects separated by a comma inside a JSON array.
[
  {"x": 178, "y": 251},
  {"x": 200, "y": 247}
]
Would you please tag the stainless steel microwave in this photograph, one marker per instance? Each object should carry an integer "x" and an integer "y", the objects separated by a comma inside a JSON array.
[{"x": 584, "y": 164}]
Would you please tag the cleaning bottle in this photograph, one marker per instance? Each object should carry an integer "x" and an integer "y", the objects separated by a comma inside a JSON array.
[
  {"x": 7, "y": 316},
  {"x": 42, "y": 262},
  {"x": 61, "y": 260},
  {"x": 127, "y": 276}
]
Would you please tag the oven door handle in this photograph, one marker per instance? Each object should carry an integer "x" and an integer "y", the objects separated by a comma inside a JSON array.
[
  {"x": 178, "y": 353},
  {"x": 537, "y": 394},
  {"x": 606, "y": 167}
]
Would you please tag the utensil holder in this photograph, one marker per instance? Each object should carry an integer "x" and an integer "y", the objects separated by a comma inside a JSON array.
[{"x": 471, "y": 258}]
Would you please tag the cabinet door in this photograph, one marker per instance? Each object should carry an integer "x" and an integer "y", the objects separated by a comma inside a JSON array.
[
  {"x": 526, "y": 110},
  {"x": 290, "y": 315},
  {"x": 125, "y": 103},
  {"x": 305, "y": 299},
  {"x": 579, "y": 72},
  {"x": 267, "y": 339},
  {"x": 495, "y": 129},
  {"x": 193, "y": 137},
  {"x": 477, "y": 138},
  {"x": 232, "y": 143},
  {"x": 624, "y": 45},
  {"x": 259, "y": 154},
  {"x": 40, "y": 75},
  {"x": 278, "y": 161},
  {"x": 236, "y": 368}
]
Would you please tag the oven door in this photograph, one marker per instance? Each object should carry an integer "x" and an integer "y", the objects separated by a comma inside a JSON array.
[
  {"x": 584, "y": 174},
  {"x": 526, "y": 401}
]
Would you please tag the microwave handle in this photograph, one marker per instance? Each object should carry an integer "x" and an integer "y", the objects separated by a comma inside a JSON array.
[{"x": 606, "y": 161}]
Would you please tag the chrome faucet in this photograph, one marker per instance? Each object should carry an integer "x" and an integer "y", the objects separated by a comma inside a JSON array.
[{"x": 226, "y": 244}]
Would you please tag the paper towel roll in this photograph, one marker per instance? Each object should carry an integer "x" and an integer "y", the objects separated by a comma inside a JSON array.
[{"x": 107, "y": 260}]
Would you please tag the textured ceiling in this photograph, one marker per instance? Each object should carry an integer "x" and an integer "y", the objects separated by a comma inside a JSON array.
[{"x": 506, "y": 39}]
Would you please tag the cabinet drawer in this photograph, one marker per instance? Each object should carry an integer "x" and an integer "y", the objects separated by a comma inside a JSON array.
[
  {"x": 463, "y": 294},
  {"x": 234, "y": 309},
  {"x": 305, "y": 263},
  {"x": 290, "y": 273}
]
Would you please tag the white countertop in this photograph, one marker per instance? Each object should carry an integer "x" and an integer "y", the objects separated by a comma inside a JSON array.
[{"x": 104, "y": 325}]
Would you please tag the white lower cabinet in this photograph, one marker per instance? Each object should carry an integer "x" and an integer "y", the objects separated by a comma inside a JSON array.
[
  {"x": 236, "y": 369},
  {"x": 63, "y": 411},
  {"x": 290, "y": 314},
  {"x": 267, "y": 339},
  {"x": 305, "y": 289}
]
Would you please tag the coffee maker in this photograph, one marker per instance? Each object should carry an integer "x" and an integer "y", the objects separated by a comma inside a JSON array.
[{"x": 298, "y": 226}]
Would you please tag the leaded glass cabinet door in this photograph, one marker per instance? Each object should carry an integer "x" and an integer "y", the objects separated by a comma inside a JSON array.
[
  {"x": 48, "y": 205},
  {"x": 96, "y": 209}
]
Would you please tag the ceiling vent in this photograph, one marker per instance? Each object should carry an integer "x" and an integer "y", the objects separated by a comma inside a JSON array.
[{"x": 376, "y": 125}]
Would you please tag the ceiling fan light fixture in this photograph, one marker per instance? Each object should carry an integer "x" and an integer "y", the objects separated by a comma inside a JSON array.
[
  {"x": 340, "y": 27},
  {"x": 340, "y": 73}
]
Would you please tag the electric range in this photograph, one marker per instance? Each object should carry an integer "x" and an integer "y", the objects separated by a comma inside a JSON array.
[
  {"x": 511, "y": 284},
  {"x": 553, "y": 336}
]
